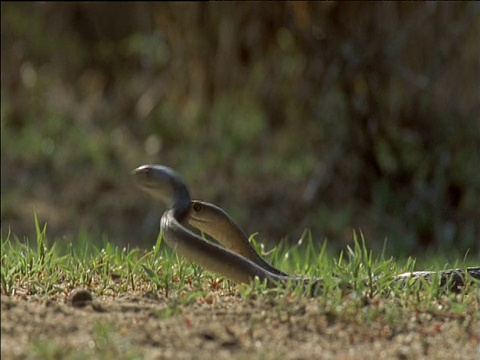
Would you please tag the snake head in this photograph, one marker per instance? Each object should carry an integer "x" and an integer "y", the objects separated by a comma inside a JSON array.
[
  {"x": 163, "y": 184},
  {"x": 215, "y": 222},
  {"x": 208, "y": 217}
]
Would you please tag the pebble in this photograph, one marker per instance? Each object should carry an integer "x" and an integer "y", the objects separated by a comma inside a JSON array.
[{"x": 81, "y": 298}]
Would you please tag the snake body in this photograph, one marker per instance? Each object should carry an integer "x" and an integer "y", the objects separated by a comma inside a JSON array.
[
  {"x": 238, "y": 261},
  {"x": 172, "y": 191}
]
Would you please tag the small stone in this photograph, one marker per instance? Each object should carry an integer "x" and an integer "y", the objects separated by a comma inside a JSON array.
[
  {"x": 81, "y": 298},
  {"x": 211, "y": 298}
]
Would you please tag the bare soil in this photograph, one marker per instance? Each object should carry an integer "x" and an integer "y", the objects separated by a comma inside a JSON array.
[{"x": 224, "y": 326}]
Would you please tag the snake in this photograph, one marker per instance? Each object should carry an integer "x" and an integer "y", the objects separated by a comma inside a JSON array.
[{"x": 236, "y": 260}]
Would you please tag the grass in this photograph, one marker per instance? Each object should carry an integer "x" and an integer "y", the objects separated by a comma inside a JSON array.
[
  {"x": 363, "y": 295},
  {"x": 44, "y": 269}
]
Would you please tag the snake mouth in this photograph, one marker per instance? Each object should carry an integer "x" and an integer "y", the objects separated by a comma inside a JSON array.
[
  {"x": 144, "y": 171},
  {"x": 143, "y": 178}
]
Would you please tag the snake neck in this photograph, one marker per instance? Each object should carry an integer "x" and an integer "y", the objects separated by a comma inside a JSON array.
[
  {"x": 181, "y": 202},
  {"x": 180, "y": 215}
]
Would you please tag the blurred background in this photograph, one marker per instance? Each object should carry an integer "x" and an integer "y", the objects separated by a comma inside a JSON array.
[{"x": 328, "y": 116}]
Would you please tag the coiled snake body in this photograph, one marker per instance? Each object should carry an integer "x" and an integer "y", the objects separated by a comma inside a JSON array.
[{"x": 238, "y": 261}]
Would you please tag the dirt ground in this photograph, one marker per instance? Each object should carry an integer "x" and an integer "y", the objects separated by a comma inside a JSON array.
[{"x": 224, "y": 326}]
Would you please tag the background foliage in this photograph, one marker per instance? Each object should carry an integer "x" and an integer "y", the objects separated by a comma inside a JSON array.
[{"x": 328, "y": 116}]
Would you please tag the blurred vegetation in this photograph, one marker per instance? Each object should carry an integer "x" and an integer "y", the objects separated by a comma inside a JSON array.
[{"x": 328, "y": 116}]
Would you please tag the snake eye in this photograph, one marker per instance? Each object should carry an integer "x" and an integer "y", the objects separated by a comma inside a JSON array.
[{"x": 197, "y": 207}]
